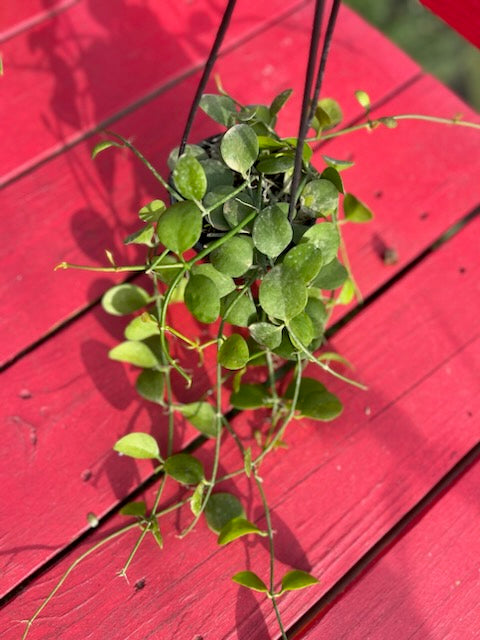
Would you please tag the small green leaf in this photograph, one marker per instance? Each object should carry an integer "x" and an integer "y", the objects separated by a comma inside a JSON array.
[
  {"x": 152, "y": 211},
  {"x": 272, "y": 231},
  {"x": 314, "y": 401},
  {"x": 318, "y": 314},
  {"x": 247, "y": 461},
  {"x": 276, "y": 163},
  {"x": 155, "y": 529},
  {"x": 124, "y": 299},
  {"x": 297, "y": 579},
  {"x": 179, "y": 228},
  {"x": 319, "y": 198},
  {"x": 134, "y": 352},
  {"x": 249, "y": 396},
  {"x": 202, "y": 416},
  {"x": 339, "y": 165},
  {"x": 300, "y": 329},
  {"x": 324, "y": 236},
  {"x": 266, "y": 334},
  {"x": 202, "y": 298},
  {"x": 238, "y": 208},
  {"x": 331, "y": 276},
  {"x": 305, "y": 259},
  {"x": 347, "y": 293},
  {"x": 333, "y": 176},
  {"x": 270, "y": 144},
  {"x": 238, "y": 310},
  {"x": 363, "y": 99},
  {"x": 389, "y": 122},
  {"x": 331, "y": 356},
  {"x": 142, "y": 236},
  {"x": 239, "y": 148},
  {"x": 279, "y": 101},
  {"x": 220, "y": 509},
  {"x": 356, "y": 211},
  {"x": 167, "y": 268},
  {"x": 250, "y": 580},
  {"x": 196, "y": 499},
  {"x": 236, "y": 528},
  {"x": 234, "y": 257},
  {"x": 105, "y": 144},
  {"x": 184, "y": 468},
  {"x": 222, "y": 109},
  {"x": 282, "y": 293},
  {"x": 194, "y": 150},
  {"x": 136, "y": 509},
  {"x": 224, "y": 283},
  {"x": 218, "y": 175},
  {"x": 142, "y": 327},
  {"x": 333, "y": 111},
  {"x": 138, "y": 445},
  {"x": 234, "y": 353},
  {"x": 150, "y": 385},
  {"x": 190, "y": 178}
]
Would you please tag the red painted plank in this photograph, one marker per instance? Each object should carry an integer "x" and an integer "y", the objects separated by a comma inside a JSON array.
[
  {"x": 92, "y": 61},
  {"x": 17, "y": 16},
  {"x": 464, "y": 16},
  {"x": 340, "y": 487},
  {"x": 426, "y": 586},
  {"x": 87, "y": 207}
]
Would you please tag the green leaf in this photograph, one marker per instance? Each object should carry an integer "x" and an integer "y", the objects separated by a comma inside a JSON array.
[
  {"x": 279, "y": 101},
  {"x": 318, "y": 314},
  {"x": 150, "y": 385},
  {"x": 250, "y": 580},
  {"x": 323, "y": 236},
  {"x": 155, "y": 529},
  {"x": 247, "y": 461},
  {"x": 297, "y": 579},
  {"x": 356, "y": 211},
  {"x": 266, "y": 334},
  {"x": 184, "y": 468},
  {"x": 238, "y": 208},
  {"x": 389, "y": 122},
  {"x": 234, "y": 257},
  {"x": 333, "y": 111},
  {"x": 269, "y": 143},
  {"x": 202, "y": 416},
  {"x": 282, "y": 293},
  {"x": 301, "y": 329},
  {"x": 124, "y": 299},
  {"x": 347, "y": 293},
  {"x": 272, "y": 231},
  {"x": 220, "y": 509},
  {"x": 218, "y": 175},
  {"x": 179, "y": 228},
  {"x": 190, "y": 178},
  {"x": 196, "y": 499},
  {"x": 142, "y": 327},
  {"x": 276, "y": 163},
  {"x": 136, "y": 509},
  {"x": 241, "y": 309},
  {"x": 236, "y": 528},
  {"x": 202, "y": 298},
  {"x": 363, "y": 99},
  {"x": 224, "y": 284},
  {"x": 152, "y": 211},
  {"x": 333, "y": 176},
  {"x": 234, "y": 353},
  {"x": 331, "y": 276},
  {"x": 339, "y": 165},
  {"x": 314, "y": 401},
  {"x": 142, "y": 236},
  {"x": 134, "y": 352},
  {"x": 105, "y": 144},
  {"x": 193, "y": 150},
  {"x": 305, "y": 259},
  {"x": 249, "y": 396},
  {"x": 222, "y": 109},
  {"x": 168, "y": 275},
  {"x": 239, "y": 148},
  {"x": 319, "y": 198},
  {"x": 138, "y": 445}
]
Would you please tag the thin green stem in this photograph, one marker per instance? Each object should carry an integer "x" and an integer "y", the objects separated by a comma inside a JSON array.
[
  {"x": 83, "y": 267},
  {"x": 346, "y": 264}
]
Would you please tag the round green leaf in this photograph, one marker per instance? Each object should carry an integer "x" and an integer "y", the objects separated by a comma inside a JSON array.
[
  {"x": 138, "y": 445},
  {"x": 152, "y": 211},
  {"x": 224, "y": 284},
  {"x": 239, "y": 148},
  {"x": 190, "y": 178},
  {"x": 356, "y": 211},
  {"x": 333, "y": 111},
  {"x": 197, "y": 499},
  {"x": 297, "y": 579},
  {"x": 233, "y": 353},
  {"x": 333, "y": 176},
  {"x": 134, "y": 352},
  {"x": 167, "y": 268},
  {"x": 249, "y": 396},
  {"x": 202, "y": 416},
  {"x": 194, "y": 150},
  {"x": 301, "y": 329},
  {"x": 234, "y": 257},
  {"x": 305, "y": 259},
  {"x": 142, "y": 236},
  {"x": 202, "y": 298},
  {"x": 220, "y": 509},
  {"x": 323, "y": 236},
  {"x": 279, "y": 101},
  {"x": 150, "y": 385},
  {"x": 347, "y": 292},
  {"x": 266, "y": 334},
  {"x": 238, "y": 208},
  {"x": 238, "y": 310},
  {"x": 136, "y": 509},
  {"x": 179, "y": 228},
  {"x": 184, "y": 468},
  {"x": 272, "y": 231},
  {"x": 218, "y": 175},
  {"x": 250, "y": 580},
  {"x": 331, "y": 276},
  {"x": 314, "y": 401},
  {"x": 142, "y": 327},
  {"x": 318, "y": 314},
  {"x": 222, "y": 109},
  {"x": 276, "y": 163},
  {"x": 124, "y": 299},
  {"x": 319, "y": 198},
  {"x": 363, "y": 99},
  {"x": 282, "y": 293},
  {"x": 236, "y": 528}
]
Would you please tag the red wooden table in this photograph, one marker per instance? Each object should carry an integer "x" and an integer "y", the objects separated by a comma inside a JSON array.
[{"x": 384, "y": 508}]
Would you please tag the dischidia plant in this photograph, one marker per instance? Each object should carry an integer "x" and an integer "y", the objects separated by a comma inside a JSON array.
[{"x": 251, "y": 241}]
